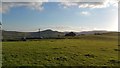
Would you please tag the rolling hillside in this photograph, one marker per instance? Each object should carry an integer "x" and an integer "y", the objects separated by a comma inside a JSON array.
[
  {"x": 14, "y": 35},
  {"x": 10, "y": 35}
]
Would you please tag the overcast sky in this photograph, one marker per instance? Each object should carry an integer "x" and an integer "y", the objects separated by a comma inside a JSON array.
[{"x": 60, "y": 16}]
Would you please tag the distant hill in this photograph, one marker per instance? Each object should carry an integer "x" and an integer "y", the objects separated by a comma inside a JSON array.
[
  {"x": 18, "y": 35},
  {"x": 9, "y": 35},
  {"x": 12, "y": 34},
  {"x": 46, "y": 34},
  {"x": 91, "y": 32}
]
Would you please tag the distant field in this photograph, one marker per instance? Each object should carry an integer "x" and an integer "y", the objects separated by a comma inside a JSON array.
[{"x": 85, "y": 51}]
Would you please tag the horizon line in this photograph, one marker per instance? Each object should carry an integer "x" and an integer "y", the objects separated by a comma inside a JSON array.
[{"x": 62, "y": 31}]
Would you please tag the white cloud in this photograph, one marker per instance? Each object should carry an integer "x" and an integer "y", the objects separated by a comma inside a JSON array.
[
  {"x": 89, "y": 4},
  {"x": 24, "y": 0},
  {"x": 37, "y": 4},
  {"x": 67, "y": 28},
  {"x": 6, "y": 6},
  {"x": 85, "y": 13}
]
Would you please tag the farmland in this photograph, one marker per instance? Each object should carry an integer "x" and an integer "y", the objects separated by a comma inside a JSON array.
[{"x": 87, "y": 50}]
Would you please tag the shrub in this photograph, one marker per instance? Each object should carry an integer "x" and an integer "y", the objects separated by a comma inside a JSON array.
[{"x": 70, "y": 34}]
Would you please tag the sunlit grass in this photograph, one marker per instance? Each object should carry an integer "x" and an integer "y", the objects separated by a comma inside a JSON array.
[{"x": 61, "y": 52}]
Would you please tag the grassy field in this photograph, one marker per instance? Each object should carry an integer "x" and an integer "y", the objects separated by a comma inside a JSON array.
[{"x": 85, "y": 51}]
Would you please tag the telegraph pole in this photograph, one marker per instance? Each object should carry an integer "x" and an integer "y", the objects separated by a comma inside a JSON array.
[
  {"x": 0, "y": 26},
  {"x": 39, "y": 33},
  {"x": 0, "y": 44},
  {"x": 0, "y": 33}
]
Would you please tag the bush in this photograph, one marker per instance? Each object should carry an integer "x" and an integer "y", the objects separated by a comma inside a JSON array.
[
  {"x": 97, "y": 34},
  {"x": 70, "y": 34}
]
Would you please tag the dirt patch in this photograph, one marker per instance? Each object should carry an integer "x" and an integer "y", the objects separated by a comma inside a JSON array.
[
  {"x": 114, "y": 61},
  {"x": 103, "y": 49},
  {"x": 56, "y": 48},
  {"x": 116, "y": 49},
  {"x": 90, "y": 55},
  {"x": 61, "y": 58}
]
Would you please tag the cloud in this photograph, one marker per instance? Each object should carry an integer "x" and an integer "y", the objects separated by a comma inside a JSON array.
[
  {"x": 6, "y": 5},
  {"x": 89, "y": 4},
  {"x": 85, "y": 13},
  {"x": 67, "y": 28},
  {"x": 38, "y": 4},
  {"x": 25, "y": 1}
]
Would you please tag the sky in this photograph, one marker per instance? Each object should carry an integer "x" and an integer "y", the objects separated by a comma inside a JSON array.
[{"x": 59, "y": 16}]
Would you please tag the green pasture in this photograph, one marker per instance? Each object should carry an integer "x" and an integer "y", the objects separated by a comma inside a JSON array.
[{"x": 84, "y": 51}]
